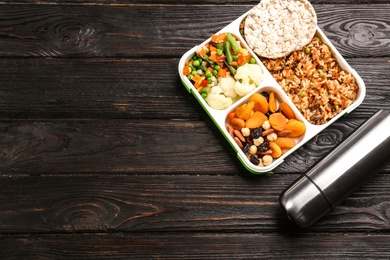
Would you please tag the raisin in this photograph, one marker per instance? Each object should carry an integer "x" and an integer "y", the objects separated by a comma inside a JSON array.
[
  {"x": 253, "y": 159},
  {"x": 265, "y": 94},
  {"x": 256, "y": 133},
  {"x": 263, "y": 147},
  {"x": 245, "y": 148}
]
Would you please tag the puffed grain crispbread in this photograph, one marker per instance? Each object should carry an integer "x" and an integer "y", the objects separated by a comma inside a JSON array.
[{"x": 275, "y": 28}]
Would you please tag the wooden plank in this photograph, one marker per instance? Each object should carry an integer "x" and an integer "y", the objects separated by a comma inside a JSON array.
[
  {"x": 196, "y": 246},
  {"x": 139, "y": 146},
  {"x": 123, "y": 89},
  {"x": 192, "y": 2},
  {"x": 175, "y": 203},
  {"x": 63, "y": 30}
]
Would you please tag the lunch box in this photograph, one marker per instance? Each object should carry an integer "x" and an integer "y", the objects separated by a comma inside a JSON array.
[{"x": 220, "y": 117}]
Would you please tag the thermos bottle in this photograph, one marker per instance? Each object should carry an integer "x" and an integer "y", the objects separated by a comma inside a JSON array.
[{"x": 350, "y": 164}]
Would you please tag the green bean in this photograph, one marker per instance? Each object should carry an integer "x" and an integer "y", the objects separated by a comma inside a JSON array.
[
  {"x": 228, "y": 54},
  {"x": 218, "y": 45},
  {"x": 232, "y": 70},
  {"x": 236, "y": 48},
  {"x": 203, "y": 68},
  {"x": 206, "y": 58}
]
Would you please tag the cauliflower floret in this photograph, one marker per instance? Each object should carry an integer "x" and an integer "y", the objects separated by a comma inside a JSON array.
[
  {"x": 248, "y": 77},
  {"x": 227, "y": 86},
  {"x": 243, "y": 89},
  {"x": 217, "y": 100},
  {"x": 256, "y": 73}
]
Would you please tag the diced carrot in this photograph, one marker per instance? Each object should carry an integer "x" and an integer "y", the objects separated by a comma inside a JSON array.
[
  {"x": 243, "y": 59},
  {"x": 213, "y": 48},
  {"x": 186, "y": 70},
  {"x": 218, "y": 38},
  {"x": 222, "y": 72},
  {"x": 234, "y": 63},
  {"x": 202, "y": 52},
  {"x": 188, "y": 63},
  {"x": 214, "y": 57},
  {"x": 209, "y": 69},
  {"x": 197, "y": 79},
  {"x": 197, "y": 85}
]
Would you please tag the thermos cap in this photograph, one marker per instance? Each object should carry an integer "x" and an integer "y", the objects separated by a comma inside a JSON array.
[
  {"x": 304, "y": 203},
  {"x": 325, "y": 185}
]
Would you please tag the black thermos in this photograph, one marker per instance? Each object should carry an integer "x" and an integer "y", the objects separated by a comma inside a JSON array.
[{"x": 325, "y": 185}]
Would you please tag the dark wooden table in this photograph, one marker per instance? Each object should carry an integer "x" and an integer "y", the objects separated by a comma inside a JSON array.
[{"x": 103, "y": 152}]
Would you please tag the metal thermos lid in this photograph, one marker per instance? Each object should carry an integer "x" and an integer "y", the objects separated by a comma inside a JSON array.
[
  {"x": 364, "y": 153},
  {"x": 304, "y": 203}
]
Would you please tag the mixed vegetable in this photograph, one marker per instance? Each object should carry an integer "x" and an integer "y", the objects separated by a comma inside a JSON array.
[{"x": 223, "y": 70}]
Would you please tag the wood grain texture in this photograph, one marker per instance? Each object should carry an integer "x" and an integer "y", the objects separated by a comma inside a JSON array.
[
  {"x": 62, "y": 30},
  {"x": 132, "y": 147},
  {"x": 123, "y": 89},
  {"x": 196, "y": 246},
  {"x": 175, "y": 203},
  {"x": 105, "y": 155}
]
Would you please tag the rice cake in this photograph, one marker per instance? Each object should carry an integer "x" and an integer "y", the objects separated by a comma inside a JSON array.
[{"x": 275, "y": 28}]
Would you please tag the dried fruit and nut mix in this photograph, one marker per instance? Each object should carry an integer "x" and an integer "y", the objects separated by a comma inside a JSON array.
[
  {"x": 223, "y": 71},
  {"x": 264, "y": 128}
]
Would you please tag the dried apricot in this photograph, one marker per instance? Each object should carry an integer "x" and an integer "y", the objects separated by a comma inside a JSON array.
[
  {"x": 276, "y": 150},
  {"x": 245, "y": 110},
  {"x": 256, "y": 120},
  {"x": 261, "y": 103},
  {"x": 277, "y": 121},
  {"x": 286, "y": 110},
  {"x": 285, "y": 142},
  {"x": 296, "y": 127},
  {"x": 237, "y": 123},
  {"x": 272, "y": 102}
]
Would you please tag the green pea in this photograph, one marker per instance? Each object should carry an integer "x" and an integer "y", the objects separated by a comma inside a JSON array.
[
  {"x": 196, "y": 63},
  {"x": 208, "y": 74},
  {"x": 209, "y": 80},
  {"x": 215, "y": 72},
  {"x": 217, "y": 67},
  {"x": 204, "y": 95},
  {"x": 219, "y": 52},
  {"x": 307, "y": 50},
  {"x": 194, "y": 72},
  {"x": 205, "y": 90},
  {"x": 252, "y": 61}
]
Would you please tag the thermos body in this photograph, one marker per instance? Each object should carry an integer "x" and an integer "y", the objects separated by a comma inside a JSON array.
[{"x": 350, "y": 164}]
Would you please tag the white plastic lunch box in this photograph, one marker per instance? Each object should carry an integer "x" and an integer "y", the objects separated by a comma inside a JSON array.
[{"x": 268, "y": 84}]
